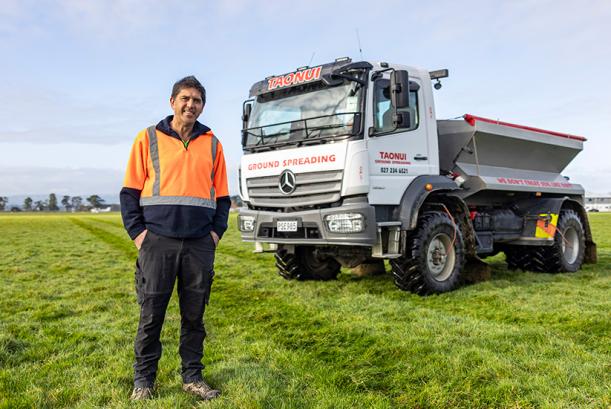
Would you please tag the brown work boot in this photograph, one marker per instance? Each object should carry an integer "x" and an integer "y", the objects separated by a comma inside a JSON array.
[
  {"x": 142, "y": 393},
  {"x": 201, "y": 389}
]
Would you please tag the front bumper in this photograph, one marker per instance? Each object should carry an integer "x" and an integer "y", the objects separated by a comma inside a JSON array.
[{"x": 311, "y": 227}]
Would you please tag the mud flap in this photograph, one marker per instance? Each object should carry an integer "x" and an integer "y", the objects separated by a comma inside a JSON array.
[
  {"x": 591, "y": 256},
  {"x": 476, "y": 270}
]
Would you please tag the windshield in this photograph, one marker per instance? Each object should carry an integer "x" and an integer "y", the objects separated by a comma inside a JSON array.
[{"x": 308, "y": 112}]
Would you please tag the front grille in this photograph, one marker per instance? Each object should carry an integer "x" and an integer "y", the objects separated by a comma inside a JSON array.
[{"x": 312, "y": 188}]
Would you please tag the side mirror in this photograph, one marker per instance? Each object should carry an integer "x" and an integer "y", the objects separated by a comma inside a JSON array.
[
  {"x": 356, "y": 124},
  {"x": 246, "y": 110},
  {"x": 399, "y": 89},
  {"x": 402, "y": 119}
]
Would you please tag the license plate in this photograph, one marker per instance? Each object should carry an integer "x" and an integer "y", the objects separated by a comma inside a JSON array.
[{"x": 286, "y": 225}]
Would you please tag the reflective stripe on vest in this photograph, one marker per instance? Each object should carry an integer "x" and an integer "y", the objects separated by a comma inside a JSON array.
[
  {"x": 154, "y": 150},
  {"x": 214, "y": 143},
  {"x": 178, "y": 200},
  {"x": 157, "y": 199}
]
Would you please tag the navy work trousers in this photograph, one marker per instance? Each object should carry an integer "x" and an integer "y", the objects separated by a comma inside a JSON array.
[{"x": 162, "y": 261}]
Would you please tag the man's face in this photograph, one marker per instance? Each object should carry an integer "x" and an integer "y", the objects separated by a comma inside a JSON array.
[{"x": 187, "y": 105}]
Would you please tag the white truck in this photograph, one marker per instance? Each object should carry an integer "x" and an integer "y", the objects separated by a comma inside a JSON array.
[{"x": 345, "y": 163}]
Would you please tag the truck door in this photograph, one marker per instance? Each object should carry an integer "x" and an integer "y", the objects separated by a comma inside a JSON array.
[{"x": 396, "y": 156}]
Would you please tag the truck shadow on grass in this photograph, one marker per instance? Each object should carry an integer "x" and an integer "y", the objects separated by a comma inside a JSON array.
[{"x": 495, "y": 274}]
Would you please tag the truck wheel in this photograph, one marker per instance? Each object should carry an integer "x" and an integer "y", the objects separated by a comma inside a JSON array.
[
  {"x": 286, "y": 264},
  {"x": 306, "y": 264},
  {"x": 434, "y": 257},
  {"x": 568, "y": 250},
  {"x": 519, "y": 257}
]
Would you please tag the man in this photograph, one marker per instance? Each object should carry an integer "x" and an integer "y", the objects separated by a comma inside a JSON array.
[{"x": 175, "y": 204}]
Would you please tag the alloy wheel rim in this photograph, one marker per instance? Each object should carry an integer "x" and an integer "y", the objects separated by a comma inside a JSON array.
[
  {"x": 440, "y": 257},
  {"x": 570, "y": 245}
]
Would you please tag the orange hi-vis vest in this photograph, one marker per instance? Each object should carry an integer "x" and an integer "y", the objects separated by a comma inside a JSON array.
[{"x": 170, "y": 172}]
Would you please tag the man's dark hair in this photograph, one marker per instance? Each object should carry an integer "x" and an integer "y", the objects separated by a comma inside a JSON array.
[{"x": 189, "y": 82}]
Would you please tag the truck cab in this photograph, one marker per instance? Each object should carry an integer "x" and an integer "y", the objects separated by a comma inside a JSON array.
[
  {"x": 319, "y": 146},
  {"x": 343, "y": 166}
]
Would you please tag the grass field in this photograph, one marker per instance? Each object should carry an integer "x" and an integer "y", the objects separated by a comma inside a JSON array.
[{"x": 68, "y": 315}]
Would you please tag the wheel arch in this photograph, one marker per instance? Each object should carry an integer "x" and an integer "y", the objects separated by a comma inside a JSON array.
[
  {"x": 416, "y": 195},
  {"x": 459, "y": 211},
  {"x": 417, "y": 199},
  {"x": 555, "y": 205}
]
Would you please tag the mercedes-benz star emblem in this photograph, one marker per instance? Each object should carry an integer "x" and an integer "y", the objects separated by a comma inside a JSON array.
[{"x": 287, "y": 184}]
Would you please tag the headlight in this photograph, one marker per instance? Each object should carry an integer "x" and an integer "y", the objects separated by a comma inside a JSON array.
[
  {"x": 345, "y": 222},
  {"x": 247, "y": 223}
]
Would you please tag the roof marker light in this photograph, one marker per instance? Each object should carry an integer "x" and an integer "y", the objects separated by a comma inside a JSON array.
[{"x": 435, "y": 75}]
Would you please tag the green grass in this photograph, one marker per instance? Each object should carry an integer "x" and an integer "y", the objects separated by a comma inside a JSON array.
[{"x": 68, "y": 316}]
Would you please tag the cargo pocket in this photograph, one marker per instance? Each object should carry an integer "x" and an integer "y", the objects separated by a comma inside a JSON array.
[
  {"x": 139, "y": 283},
  {"x": 209, "y": 287}
]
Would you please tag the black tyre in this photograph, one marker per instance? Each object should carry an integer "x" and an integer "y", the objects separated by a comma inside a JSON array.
[
  {"x": 568, "y": 250},
  {"x": 287, "y": 264},
  {"x": 519, "y": 257},
  {"x": 306, "y": 264},
  {"x": 434, "y": 257},
  {"x": 565, "y": 255}
]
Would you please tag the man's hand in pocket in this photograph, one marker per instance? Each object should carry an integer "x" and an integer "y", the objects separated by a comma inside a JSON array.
[{"x": 139, "y": 239}]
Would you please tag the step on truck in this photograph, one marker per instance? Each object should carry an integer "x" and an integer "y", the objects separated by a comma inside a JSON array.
[{"x": 345, "y": 164}]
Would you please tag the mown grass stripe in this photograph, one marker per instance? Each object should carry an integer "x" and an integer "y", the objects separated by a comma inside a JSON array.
[
  {"x": 119, "y": 243},
  {"x": 111, "y": 222}
]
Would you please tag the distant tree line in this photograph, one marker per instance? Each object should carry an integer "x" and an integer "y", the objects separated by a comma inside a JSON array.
[{"x": 69, "y": 203}]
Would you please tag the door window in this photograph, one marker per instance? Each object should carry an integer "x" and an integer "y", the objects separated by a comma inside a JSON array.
[{"x": 382, "y": 110}]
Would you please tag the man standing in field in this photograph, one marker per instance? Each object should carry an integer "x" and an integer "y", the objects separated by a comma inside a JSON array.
[{"x": 175, "y": 204}]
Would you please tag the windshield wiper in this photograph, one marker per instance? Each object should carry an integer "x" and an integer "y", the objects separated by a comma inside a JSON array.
[
  {"x": 261, "y": 137},
  {"x": 349, "y": 78},
  {"x": 311, "y": 130},
  {"x": 361, "y": 65},
  {"x": 272, "y": 138}
]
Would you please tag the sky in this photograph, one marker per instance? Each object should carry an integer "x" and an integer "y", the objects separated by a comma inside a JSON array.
[{"x": 81, "y": 78}]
